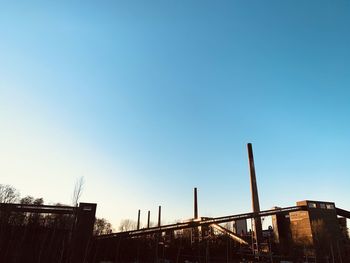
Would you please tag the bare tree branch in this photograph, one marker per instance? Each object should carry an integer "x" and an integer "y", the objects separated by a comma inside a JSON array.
[
  {"x": 78, "y": 191},
  {"x": 8, "y": 194}
]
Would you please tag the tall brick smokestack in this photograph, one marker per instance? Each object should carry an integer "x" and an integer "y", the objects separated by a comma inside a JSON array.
[
  {"x": 195, "y": 204},
  {"x": 255, "y": 197}
]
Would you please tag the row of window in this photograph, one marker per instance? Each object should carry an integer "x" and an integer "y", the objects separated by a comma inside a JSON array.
[{"x": 321, "y": 205}]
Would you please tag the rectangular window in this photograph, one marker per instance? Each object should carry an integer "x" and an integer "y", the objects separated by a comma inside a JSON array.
[
  {"x": 330, "y": 206},
  {"x": 312, "y": 205},
  {"x": 323, "y": 206}
]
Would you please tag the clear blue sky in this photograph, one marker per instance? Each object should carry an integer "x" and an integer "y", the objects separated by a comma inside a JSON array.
[{"x": 148, "y": 99}]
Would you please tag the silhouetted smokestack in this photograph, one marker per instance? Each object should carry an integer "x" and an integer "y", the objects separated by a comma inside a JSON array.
[
  {"x": 138, "y": 219},
  {"x": 195, "y": 204},
  {"x": 148, "y": 218},
  {"x": 195, "y": 230},
  {"x": 159, "y": 214},
  {"x": 255, "y": 196}
]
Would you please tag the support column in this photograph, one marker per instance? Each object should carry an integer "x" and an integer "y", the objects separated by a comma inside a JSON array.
[
  {"x": 138, "y": 219},
  {"x": 82, "y": 235},
  {"x": 159, "y": 215}
]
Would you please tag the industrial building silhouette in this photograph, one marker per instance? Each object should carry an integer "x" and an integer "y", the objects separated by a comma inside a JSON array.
[
  {"x": 314, "y": 231},
  {"x": 310, "y": 231}
]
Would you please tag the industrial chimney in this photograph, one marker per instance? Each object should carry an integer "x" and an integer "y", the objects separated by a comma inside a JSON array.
[
  {"x": 195, "y": 204},
  {"x": 255, "y": 197}
]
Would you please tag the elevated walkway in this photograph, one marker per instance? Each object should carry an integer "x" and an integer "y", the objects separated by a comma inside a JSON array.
[
  {"x": 343, "y": 213},
  {"x": 200, "y": 222}
]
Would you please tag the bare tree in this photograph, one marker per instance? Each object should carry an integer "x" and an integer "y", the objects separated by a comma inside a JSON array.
[
  {"x": 102, "y": 226},
  {"x": 38, "y": 201},
  {"x": 8, "y": 194},
  {"x": 127, "y": 224},
  {"x": 78, "y": 190},
  {"x": 27, "y": 200}
]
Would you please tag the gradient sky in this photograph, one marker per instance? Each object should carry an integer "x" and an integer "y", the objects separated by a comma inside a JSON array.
[{"x": 148, "y": 99}]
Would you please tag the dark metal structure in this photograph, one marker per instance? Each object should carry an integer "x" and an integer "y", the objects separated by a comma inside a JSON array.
[
  {"x": 200, "y": 222},
  {"x": 159, "y": 215},
  {"x": 138, "y": 219},
  {"x": 82, "y": 232},
  {"x": 48, "y": 209},
  {"x": 148, "y": 219},
  {"x": 79, "y": 236},
  {"x": 343, "y": 213}
]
